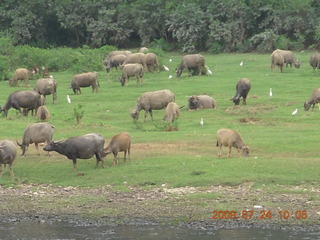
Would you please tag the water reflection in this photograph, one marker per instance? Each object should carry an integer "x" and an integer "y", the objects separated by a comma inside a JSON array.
[{"x": 67, "y": 230}]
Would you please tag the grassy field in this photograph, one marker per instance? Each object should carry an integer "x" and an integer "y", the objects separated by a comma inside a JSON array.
[{"x": 283, "y": 148}]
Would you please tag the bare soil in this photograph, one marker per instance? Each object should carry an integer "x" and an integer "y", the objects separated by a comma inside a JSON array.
[{"x": 187, "y": 205}]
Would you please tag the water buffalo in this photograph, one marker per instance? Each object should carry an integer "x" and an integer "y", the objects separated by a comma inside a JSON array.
[
  {"x": 20, "y": 74},
  {"x": 47, "y": 86},
  {"x": 315, "y": 98},
  {"x": 243, "y": 87},
  {"x": 172, "y": 112},
  {"x": 149, "y": 101},
  {"x": 315, "y": 61},
  {"x": 143, "y": 50},
  {"x": 119, "y": 143},
  {"x": 192, "y": 61},
  {"x": 8, "y": 153},
  {"x": 83, "y": 147},
  {"x": 136, "y": 58},
  {"x": 131, "y": 70},
  {"x": 288, "y": 57},
  {"x": 277, "y": 60},
  {"x": 84, "y": 80},
  {"x": 43, "y": 113},
  {"x": 151, "y": 61},
  {"x": 36, "y": 133},
  {"x": 201, "y": 101},
  {"x": 114, "y": 61},
  {"x": 231, "y": 138},
  {"x": 28, "y": 99},
  {"x": 117, "y": 52}
]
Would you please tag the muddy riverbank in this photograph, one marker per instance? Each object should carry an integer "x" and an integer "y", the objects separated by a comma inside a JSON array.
[{"x": 197, "y": 208}]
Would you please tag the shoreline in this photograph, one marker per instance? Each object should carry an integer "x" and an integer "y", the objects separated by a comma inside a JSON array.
[{"x": 185, "y": 207}]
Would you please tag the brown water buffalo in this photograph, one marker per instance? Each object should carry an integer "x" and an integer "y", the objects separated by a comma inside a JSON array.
[
  {"x": 192, "y": 61},
  {"x": 200, "y": 102},
  {"x": 43, "y": 113},
  {"x": 172, "y": 112},
  {"x": 151, "y": 61},
  {"x": 119, "y": 143},
  {"x": 136, "y": 58},
  {"x": 243, "y": 87},
  {"x": 8, "y": 152},
  {"x": 131, "y": 70},
  {"x": 315, "y": 98},
  {"x": 231, "y": 138},
  {"x": 83, "y": 147},
  {"x": 47, "y": 86},
  {"x": 28, "y": 99},
  {"x": 277, "y": 60},
  {"x": 288, "y": 57},
  {"x": 117, "y": 52},
  {"x": 36, "y": 133},
  {"x": 114, "y": 61},
  {"x": 149, "y": 101},
  {"x": 20, "y": 74},
  {"x": 84, "y": 80},
  {"x": 315, "y": 61}
]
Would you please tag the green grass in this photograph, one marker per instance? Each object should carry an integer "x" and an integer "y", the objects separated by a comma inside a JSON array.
[{"x": 283, "y": 148}]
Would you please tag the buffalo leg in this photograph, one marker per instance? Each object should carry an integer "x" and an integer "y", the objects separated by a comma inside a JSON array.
[
  {"x": 11, "y": 171},
  {"x": 37, "y": 147},
  {"x": 99, "y": 158},
  {"x": 151, "y": 114},
  {"x": 74, "y": 161},
  {"x": 115, "y": 159},
  {"x": 1, "y": 169},
  {"x": 229, "y": 152}
]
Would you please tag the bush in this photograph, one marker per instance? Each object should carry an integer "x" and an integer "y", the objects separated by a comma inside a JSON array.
[{"x": 282, "y": 42}]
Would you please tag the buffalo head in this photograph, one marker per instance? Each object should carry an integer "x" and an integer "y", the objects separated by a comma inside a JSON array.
[{"x": 193, "y": 102}]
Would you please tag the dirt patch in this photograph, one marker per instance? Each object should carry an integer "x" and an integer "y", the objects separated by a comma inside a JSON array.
[
  {"x": 249, "y": 110},
  {"x": 250, "y": 120},
  {"x": 183, "y": 205}
]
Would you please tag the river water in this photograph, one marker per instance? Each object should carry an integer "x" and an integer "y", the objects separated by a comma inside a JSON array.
[{"x": 63, "y": 230}]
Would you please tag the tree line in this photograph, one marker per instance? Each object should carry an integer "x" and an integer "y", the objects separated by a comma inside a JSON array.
[{"x": 186, "y": 25}]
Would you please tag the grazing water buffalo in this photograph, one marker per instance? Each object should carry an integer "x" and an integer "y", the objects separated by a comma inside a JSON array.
[
  {"x": 117, "y": 52},
  {"x": 47, "y": 86},
  {"x": 172, "y": 112},
  {"x": 277, "y": 60},
  {"x": 136, "y": 58},
  {"x": 315, "y": 61},
  {"x": 231, "y": 138},
  {"x": 36, "y": 133},
  {"x": 84, "y": 80},
  {"x": 201, "y": 101},
  {"x": 191, "y": 61},
  {"x": 131, "y": 70},
  {"x": 243, "y": 87},
  {"x": 43, "y": 113},
  {"x": 315, "y": 98},
  {"x": 151, "y": 61},
  {"x": 119, "y": 143},
  {"x": 114, "y": 61},
  {"x": 149, "y": 101},
  {"x": 8, "y": 153},
  {"x": 28, "y": 99},
  {"x": 20, "y": 74},
  {"x": 288, "y": 58},
  {"x": 83, "y": 147}
]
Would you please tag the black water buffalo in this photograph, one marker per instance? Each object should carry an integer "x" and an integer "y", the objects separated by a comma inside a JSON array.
[
  {"x": 243, "y": 87},
  {"x": 83, "y": 147},
  {"x": 27, "y": 99}
]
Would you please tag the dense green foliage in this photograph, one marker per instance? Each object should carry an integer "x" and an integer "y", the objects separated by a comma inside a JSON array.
[
  {"x": 284, "y": 148},
  {"x": 191, "y": 26}
]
